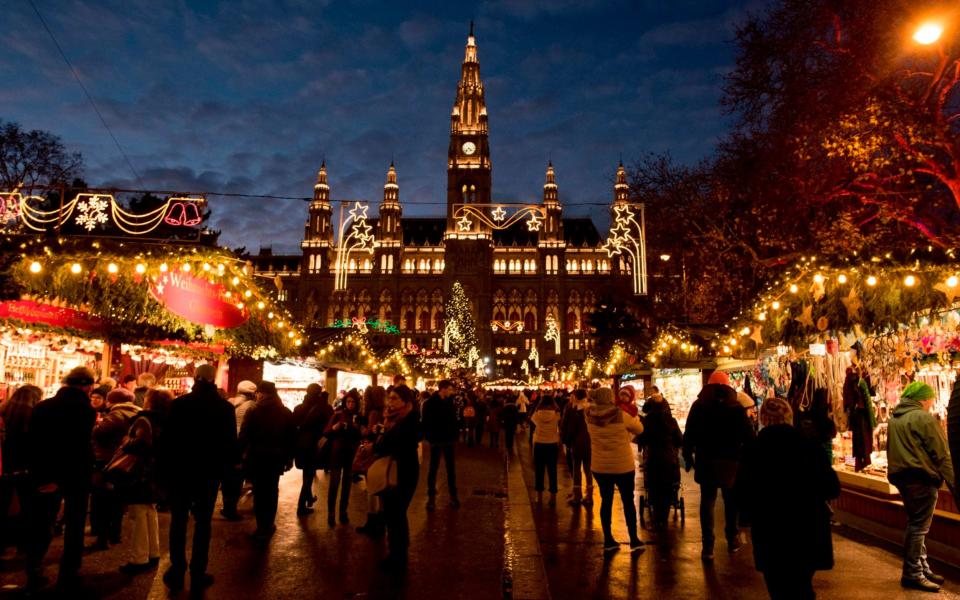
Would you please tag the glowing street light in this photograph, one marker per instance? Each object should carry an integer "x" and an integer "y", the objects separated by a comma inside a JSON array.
[{"x": 928, "y": 33}]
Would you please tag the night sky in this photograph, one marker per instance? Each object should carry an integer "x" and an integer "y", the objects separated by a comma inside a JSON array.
[{"x": 249, "y": 96}]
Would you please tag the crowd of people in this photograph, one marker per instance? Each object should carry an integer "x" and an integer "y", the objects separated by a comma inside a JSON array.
[{"x": 122, "y": 452}]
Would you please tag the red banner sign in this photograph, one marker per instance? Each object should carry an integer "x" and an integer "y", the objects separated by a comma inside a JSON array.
[
  {"x": 197, "y": 300},
  {"x": 29, "y": 311},
  {"x": 198, "y": 346}
]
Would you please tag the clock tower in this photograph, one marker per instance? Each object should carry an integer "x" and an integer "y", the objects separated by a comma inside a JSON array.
[{"x": 468, "y": 160}]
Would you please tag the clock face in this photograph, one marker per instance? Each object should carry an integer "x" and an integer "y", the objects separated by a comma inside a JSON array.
[{"x": 469, "y": 148}]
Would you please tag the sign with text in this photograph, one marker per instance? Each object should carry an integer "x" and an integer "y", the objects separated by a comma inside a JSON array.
[
  {"x": 198, "y": 300},
  {"x": 29, "y": 311}
]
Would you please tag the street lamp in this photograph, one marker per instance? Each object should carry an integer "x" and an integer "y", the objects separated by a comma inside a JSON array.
[{"x": 928, "y": 33}]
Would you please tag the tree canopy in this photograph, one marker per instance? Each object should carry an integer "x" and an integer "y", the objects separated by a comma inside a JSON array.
[{"x": 31, "y": 158}]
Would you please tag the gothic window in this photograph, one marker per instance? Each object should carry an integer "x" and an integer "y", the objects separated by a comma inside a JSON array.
[
  {"x": 386, "y": 306},
  {"x": 530, "y": 321},
  {"x": 436, "y": 310},
  {"x": 424, "y": 323},
  {"x": 499, "y": 305},
  {"x": 408, "y": 321},
  {"x": 367, "y": 266},
  {"x": 406, "y": 309},
  {"x": 530, "y": 311},
  {"x": 573, "y": 311},
  {"x": 408, "y": 266},
  {"x": 352, "y": 268},
  {"x": 437, "y": 265},
  {"x": 363, "y": 304}
]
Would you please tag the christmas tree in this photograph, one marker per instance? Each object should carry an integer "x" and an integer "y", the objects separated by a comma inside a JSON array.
[{"x": 460, "y": 334}]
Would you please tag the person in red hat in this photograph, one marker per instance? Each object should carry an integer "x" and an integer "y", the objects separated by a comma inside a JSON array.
[{"x": 717, "y": 430}]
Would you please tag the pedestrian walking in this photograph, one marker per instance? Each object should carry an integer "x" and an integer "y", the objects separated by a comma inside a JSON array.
[
  {"x": 717, "y": 429},
  {"x": 106, "y": 505},
  {"x": 142, "y": 547},
  {"x": 509, "y": 420},
  {"x": 15, "y": 416},
  {"x": 493, "y": 422},
  {"x": 440, "y": 430},
  {"x": 60, "y": 466},
  {"x": 784, "y": 484},
  {"x": 199, "y": 447},
  {"x": 400, "y": 439},
  {"x": 482, "y": 409},
  {"x": 470, "y": 421},
  {"x": 523, "y": 405},
  {"x": 231, "y": 487},
  {"x": 266, "y": 440},
  {"x": 918, "y": 463},
  {"x": 370, "y": 430},
  {"x": 612, "y": 428},
  {"x": 576, "y": 437},
  {"x": 661, "y": 441},
  {"x": 343, "y": 431},
  {"x": 546, "y": 447},
  {"x": 310, "y": 418}
]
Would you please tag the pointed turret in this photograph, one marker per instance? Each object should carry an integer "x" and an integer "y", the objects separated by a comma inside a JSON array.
[
  {"x": 321, "y": 191},
  {"x": 390, "y": 211},
  {"x": 550, "y": 186},
  {"x": 621, "y": 191},
  {"x": 318, "y": 236},
  {"x": 552, "y": 230}
]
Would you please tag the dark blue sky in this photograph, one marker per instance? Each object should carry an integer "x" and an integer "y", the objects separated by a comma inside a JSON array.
[{"x": 248, "y": 96}]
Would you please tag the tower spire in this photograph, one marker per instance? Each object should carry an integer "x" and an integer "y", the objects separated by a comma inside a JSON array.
[{"x": 621, "y": 190}]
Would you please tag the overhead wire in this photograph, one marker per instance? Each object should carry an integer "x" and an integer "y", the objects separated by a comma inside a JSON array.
[{"x": 86, "y": 92}]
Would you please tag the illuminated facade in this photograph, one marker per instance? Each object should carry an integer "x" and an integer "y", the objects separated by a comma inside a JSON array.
[{"x": 522, "y": 266}]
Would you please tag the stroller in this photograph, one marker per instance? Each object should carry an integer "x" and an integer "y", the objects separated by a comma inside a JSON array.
[{"x": 676, "y": 498}]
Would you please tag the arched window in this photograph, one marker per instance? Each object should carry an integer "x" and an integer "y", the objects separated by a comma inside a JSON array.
[
  {"x": 573, "y": 323},
  {"x": 408, "y": 321},
  {"x": 530, "y": 322},
  {"x": 424, "y": 323}
]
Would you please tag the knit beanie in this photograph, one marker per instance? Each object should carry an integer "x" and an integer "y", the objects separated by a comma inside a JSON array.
[
  {"x": 118, "y": 395},
  {"x": 601, "y": 396},
  {"x": 246, "y": 387},
  {"x": 918, "y": 391}
]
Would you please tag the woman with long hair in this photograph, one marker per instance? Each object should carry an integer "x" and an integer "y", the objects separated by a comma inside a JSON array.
[
  {"x": 14, "y": 423},
  {"x": 372, "y": 426},
  {"x": 400, "y": 439}
]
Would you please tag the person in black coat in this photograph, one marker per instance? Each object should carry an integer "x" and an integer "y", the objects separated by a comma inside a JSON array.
[
  {"x": 266, "y": 441},
  {"x": 440, "y": 429},
  {"x": 197, "y": 449},
  {"x": 60, "y": 466},
  {"x": 401, "y": 436},
  {"x": 311, "y": 418},
  {"x": 661, "y": 469},
  {"x": 343, "y": 431},
  {"x": 953, "y": 430},
  {"x": 717, "y": 429},
  {"x": 784, "y": 483},
  {"x": 509, "y": 420}
]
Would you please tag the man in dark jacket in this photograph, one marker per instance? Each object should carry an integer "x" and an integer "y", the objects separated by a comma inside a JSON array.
[
  {"x": 106, "y": 508},
  {"x": 266, "y": 440},
  {"x": 717, "y": 429},
  {"x": 198, "y": 447},
  {"x": 440, "y": 428},
  {"x": 60, "y": 466}
]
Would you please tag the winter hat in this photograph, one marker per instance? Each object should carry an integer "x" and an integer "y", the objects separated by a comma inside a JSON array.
[
  {"x": 118, "y": 395},
  {"x": 719, "y": 377},
  {"x": 267, "y": 388},
  {"x": 775, "y": 411},
  {"x": 745, "y": 400},
  {"x": 918, "y": 391},
  {"x": 246, "y": 387},
  {"x": 205, "y": 372},
  {"x": 601, "y": 396},
  {"x": 629, "y": 391}
]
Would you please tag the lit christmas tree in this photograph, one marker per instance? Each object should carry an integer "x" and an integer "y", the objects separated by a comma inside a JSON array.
[{"x": 460, "y": 335}]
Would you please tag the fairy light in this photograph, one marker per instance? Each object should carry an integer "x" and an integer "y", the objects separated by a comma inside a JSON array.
[
  {"x": 952, "y": 281},
  {"x": 909, "y": 281},
  {"x": 818, "y": 278},
  {"x": 793, "y": 288},
  {"x": 871, "y": 281},
  {"x": 112, "y": 268},
  {"x": 164, "y": 268},
  {"x": 186, "y": 267},
  {"x": 260, "y": 305},
  {"x": 35, "y": 267},
  {"x": 75, "y": 268},
  {"x": 775, "y": 305},
  {"x": 141, "y": 268},
  {"x": 842, "y": 278}
]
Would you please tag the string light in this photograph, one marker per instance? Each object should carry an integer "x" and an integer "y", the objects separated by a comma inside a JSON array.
[
  {"x": 141, "y": 268},
  {"x": 909, "y": 281},
  {"x": 871, "y": 281},
  {"x": 112, "y": 268},
  {"x": 75, "y": 268},
  {"x": 842, "y": 278},
  {"x": 163, "y": 267},
  {"x": 952, "y": 281},
  {"x": 35, "y": 267}
]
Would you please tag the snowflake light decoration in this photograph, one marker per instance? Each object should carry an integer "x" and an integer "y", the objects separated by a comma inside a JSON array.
[{"x": 92, "y": 212}]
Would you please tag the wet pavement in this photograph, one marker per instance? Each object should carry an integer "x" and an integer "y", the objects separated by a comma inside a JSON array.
[
  {"x": 499, "y": 544},
  {"x": 571, "y": 542},
  {"x": 453, "y": 553}
]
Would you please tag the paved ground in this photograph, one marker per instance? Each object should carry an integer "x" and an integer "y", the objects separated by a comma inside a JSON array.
[
  {"x": 454, "y": 554},
  {"x": 571, "y": 546},
  {"x": 493, "y": 543}
]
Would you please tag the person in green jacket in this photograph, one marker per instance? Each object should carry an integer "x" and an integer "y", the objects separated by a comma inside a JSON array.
[{"x": 918, "y": 463}]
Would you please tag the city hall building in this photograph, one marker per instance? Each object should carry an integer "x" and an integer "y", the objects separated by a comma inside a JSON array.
[{"x": 531, "y": 275}]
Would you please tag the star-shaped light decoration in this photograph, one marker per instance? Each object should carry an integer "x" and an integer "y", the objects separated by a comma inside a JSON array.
[
  {"x": 806, "y": 317},
  {"x": 612, "y": 246},
  {"x": 620, "y": 231},
  {"x": 534, "y": 222},
  {"x": 359, "y": 211},
  {"x": 498, "y": 214},
  {"x": 464, "y": 224},
  {"x": 757, "y": 335},
  {"x": 623, "y": 212},
  {"x": 362, "y": 229},
  {"x": 852, "y": 303}
]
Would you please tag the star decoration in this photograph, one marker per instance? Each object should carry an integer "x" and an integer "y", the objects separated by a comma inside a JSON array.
[
  {"x": 359, "y": 211},
  {"x": 534, "y": 223},
  {"x": 498, "y": 214},
  {"x": 818, "y": 290},
  {"x": 623, "y": 212},
  {"x": 612, "y": 246},
  {"x": 853, "y": 304},
  {"x": 806, "y": 317},
  {"x": 757, "y": 335},
  {"x": 620, "y": 231},
  {"x": 361, "y": 228},
  {"x": 464, "y": 224},
  {"x": 949, "y": 292}
]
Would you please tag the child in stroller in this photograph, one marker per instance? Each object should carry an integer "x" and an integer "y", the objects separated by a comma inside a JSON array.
[{"x": 660, "y": 445}]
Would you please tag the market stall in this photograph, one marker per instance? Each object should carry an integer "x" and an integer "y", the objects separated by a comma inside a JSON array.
[{"x": 292, "y": 376}]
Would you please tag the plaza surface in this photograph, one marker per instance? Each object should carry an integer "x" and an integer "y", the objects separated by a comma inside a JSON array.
[{"x": 499, "y": 544}]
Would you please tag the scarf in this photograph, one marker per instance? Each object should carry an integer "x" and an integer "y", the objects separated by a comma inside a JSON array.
[{"x": 392, "y": 417}]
